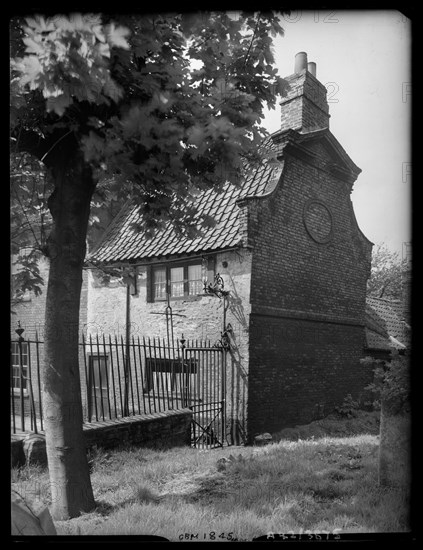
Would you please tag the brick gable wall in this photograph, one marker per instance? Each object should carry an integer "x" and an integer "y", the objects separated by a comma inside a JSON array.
[{"x": 307, "y": 298}]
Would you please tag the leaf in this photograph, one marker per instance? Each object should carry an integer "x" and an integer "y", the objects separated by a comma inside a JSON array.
[
  {"x": 98, "y": 33},
  {"x": 58, "y": 104},
  {"x": 93, "y": 146},
  {"x": 32, "y": 46},
  {"x": 112, "y": 90},
  {"x": 117, "y": 36},
  {"x": 196, "y": 135},
  {"x": 31, "y": 69},
  {"x": 104, "y": 50},
  {"x": 39, "y": 24}
]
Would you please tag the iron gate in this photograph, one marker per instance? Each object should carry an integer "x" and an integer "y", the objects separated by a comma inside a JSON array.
[{"x": 205, "y": 394}]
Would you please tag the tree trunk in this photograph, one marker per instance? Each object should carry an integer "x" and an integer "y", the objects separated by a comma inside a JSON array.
[
  {"x": 395, "y": 428},
  {"x": 66, "y": 451},
  {"x": 395, "y": 448}
]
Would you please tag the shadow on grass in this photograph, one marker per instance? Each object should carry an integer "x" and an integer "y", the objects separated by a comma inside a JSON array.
[{"x": 141, "y": 495}]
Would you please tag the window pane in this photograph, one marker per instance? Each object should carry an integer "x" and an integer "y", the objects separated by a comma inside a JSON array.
[
  {"x": 176, "y": 274},
  {"x": 24, "y": 353},
  {"x": 160, "y": 283},
  {"x": 195, "y": 283},
  {"x": 194, "y": 272},
  {"x": 160, "y": 275},
  {"x": 177, "y": 281},
  {"x": 160, "y": 290},
  {"x": 195, "y": 287},
  {"x": 16, "y": 374}
]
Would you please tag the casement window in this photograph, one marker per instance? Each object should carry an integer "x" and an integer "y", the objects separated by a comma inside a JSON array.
[
  {"x": 181, "y": 280},
  {"x": 19, "y": 380}
]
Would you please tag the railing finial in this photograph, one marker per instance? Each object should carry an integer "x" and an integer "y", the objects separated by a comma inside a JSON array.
[{"x": 19, "y": 331}]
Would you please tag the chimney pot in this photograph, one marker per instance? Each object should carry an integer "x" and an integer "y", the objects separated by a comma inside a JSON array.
[
  {"x": 312, "y": 68},
  {"x": 300, "y": 62}
]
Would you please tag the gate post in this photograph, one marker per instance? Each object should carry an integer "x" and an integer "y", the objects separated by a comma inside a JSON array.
[
  {"x": 184, "y": 374},
  {"x": 224, "y": 357}
]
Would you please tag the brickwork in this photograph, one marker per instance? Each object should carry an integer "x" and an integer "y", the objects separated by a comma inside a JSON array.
[
  {"x": 309, "y": 271},
  {"x": 300, "y": 370},
  {"x": 305, "y": 106},
  {"x": 167, "y": 429},
  {"x": 163, "y": 430}
]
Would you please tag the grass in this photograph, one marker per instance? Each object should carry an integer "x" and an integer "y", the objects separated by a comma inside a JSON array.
[{"x": 315, "y": 484}]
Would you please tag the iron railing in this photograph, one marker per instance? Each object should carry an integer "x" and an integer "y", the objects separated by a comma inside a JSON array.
[{"x": 121, "y": 378}]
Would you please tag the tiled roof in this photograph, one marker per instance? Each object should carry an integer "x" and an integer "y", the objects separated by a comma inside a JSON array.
[
  {"x": 122, "y": 243},
  {"x": 384, "y": 324},
  {"x": 375, "y": 341}
]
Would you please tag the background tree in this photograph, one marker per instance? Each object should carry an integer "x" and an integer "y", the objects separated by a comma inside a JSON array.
[
  {"x": 386, "y": 273},
  {"x": 153, "y": 108},
  {"x": 30, "y": 221}
]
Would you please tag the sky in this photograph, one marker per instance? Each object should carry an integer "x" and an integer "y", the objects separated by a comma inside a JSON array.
[{"x": 364, "y": 60}]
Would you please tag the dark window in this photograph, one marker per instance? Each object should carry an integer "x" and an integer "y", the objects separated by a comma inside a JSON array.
[
  {"x": 19, "y": 378},
  {"x": 98, "y": 382}
]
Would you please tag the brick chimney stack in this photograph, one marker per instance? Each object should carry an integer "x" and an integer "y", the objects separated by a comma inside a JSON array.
[{"x": 305, "y": 106}]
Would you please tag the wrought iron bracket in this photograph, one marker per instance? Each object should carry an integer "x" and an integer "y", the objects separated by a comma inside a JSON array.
[
  {"x": 217, "y": 288},
  {"x": 225, "y": 340}
]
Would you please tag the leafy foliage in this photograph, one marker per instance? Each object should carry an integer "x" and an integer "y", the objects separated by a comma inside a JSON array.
[
  {"x": 27, "y": 276},
  {"x": 386, "y": 271},
  {"x": 67, "y": 59},
  {"x": 391, "y": 383},
  {"x": 349, "y": 407},
  {"x": 152, "y": 109},
  {"x": 30, "y": 223},
  {"x": 162, "y": 105}
]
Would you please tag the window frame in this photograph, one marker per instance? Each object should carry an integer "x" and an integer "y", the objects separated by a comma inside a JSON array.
[
  {"x": 92, "y": 390},
  {"x": 171, "y": 265},
  {"x": 91, "y": 374},
  {"x": 17, "y": 389}
]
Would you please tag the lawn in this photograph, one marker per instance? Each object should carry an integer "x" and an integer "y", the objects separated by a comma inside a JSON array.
[{"x": 316, "y": 484}]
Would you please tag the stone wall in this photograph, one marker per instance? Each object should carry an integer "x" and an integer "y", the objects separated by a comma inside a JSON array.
[
  {"x": 164, "y": 430},
  {"x": 197, "y": 318}
]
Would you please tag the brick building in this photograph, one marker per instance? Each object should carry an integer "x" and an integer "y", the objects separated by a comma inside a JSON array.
[{"x": 288, "y": 249}]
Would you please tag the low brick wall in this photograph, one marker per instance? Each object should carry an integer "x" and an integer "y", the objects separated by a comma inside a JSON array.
[
  {"x": 167, "y": 429},
  {"x": 164, "y": 430}
]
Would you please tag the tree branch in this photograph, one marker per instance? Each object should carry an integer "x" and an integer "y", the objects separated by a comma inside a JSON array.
[
  {"x": 55, "y": 143},
  {"x": 252, "y": 39}
]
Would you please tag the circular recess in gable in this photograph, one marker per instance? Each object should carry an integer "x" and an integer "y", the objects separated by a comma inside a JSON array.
[{"x": 318, "y": 221}]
